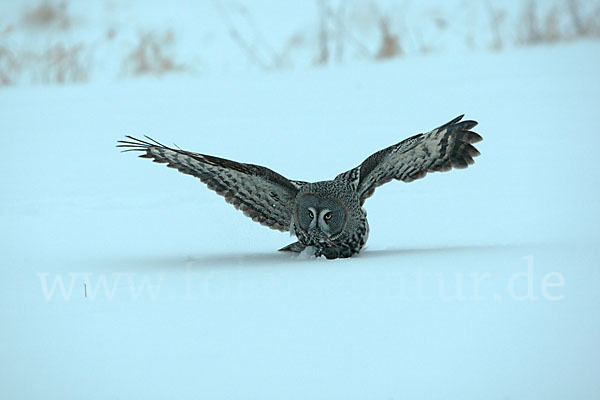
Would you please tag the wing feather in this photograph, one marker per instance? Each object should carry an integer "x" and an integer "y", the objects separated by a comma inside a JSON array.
[
  {"x": 260, "y": 193},
  {"x": 446, "y": 147}
]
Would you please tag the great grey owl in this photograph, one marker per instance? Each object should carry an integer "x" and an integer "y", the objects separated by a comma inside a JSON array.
[{"x": 326, "y": 215}]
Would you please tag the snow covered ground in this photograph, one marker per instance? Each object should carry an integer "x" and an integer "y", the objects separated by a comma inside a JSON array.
[{"x": 125, "y": 279}]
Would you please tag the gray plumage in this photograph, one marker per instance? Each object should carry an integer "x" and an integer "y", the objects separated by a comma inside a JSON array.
[{"x": 326, "y": 215}]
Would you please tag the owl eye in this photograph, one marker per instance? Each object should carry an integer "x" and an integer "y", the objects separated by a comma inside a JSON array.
[
  {"x": 310, "y": 214},
  {"x": 328, "y": 216}
]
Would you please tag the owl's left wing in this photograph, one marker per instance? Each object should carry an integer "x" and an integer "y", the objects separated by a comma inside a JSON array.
[
  {"x": 446, "y": 147},
  {"x": 260, "y": 193}
]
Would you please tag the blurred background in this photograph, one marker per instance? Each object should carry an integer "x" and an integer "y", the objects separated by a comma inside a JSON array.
[{"x": 65, "y": 42}]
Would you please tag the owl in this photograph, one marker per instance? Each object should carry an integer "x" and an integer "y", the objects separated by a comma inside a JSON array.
[{"x": 326, "y": 216}]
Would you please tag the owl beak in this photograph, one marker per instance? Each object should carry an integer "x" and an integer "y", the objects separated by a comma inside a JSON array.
[{"x": 319, "y": 234}]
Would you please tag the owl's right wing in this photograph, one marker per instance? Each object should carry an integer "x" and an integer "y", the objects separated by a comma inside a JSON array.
[
  {"x": 260, "y": 193},
  {"x": 446, "y": 147}
]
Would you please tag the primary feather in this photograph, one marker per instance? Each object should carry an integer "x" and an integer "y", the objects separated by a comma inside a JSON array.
[
  {"x": 260, "y": 193},
  {"x": 446, "y": 147}
]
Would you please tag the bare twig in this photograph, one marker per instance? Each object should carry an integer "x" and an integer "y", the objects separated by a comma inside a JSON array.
[{"x": 246, "y": 47}]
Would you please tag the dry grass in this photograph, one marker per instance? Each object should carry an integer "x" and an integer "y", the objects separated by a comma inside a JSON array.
[
  {"x": 537, "y": 27},
  {"x": 585, "y": 24},
  {"x": 497, "y": 19},
  {"x": 151, "y": 55},
  {"x": 57, "y": 63},
  {"x": 48, "y": 15},
  {"x": 9, "y": 67},
  {"x": 62, "y": 64},
  {"x": 322, "y": 56},
  {"x": 342, "y": 29},
  {"x": 336, "y": 34},
  {"x": 390, "y": 43}
]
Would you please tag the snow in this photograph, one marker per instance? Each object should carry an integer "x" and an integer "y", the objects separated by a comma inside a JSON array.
[{"x": 125, "y": 279}]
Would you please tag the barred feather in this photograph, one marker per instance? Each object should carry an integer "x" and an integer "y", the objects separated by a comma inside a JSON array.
[
  {"x": 446, "y": 147},
  {"x": 260, "y": 193}
]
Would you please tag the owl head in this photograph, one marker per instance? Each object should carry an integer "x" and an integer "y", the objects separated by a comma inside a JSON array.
[
  {"x": 324, "y": 211},
  {"x": 322, "y": 218}
]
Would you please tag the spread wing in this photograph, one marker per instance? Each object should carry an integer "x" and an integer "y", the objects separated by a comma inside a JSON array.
[
  {"x": 260, "y": 193},
  {"x": 446, "y": 147}
]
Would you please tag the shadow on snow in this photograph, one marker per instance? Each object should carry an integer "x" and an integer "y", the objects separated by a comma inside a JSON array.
[{"x": 278, "y": 258}]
